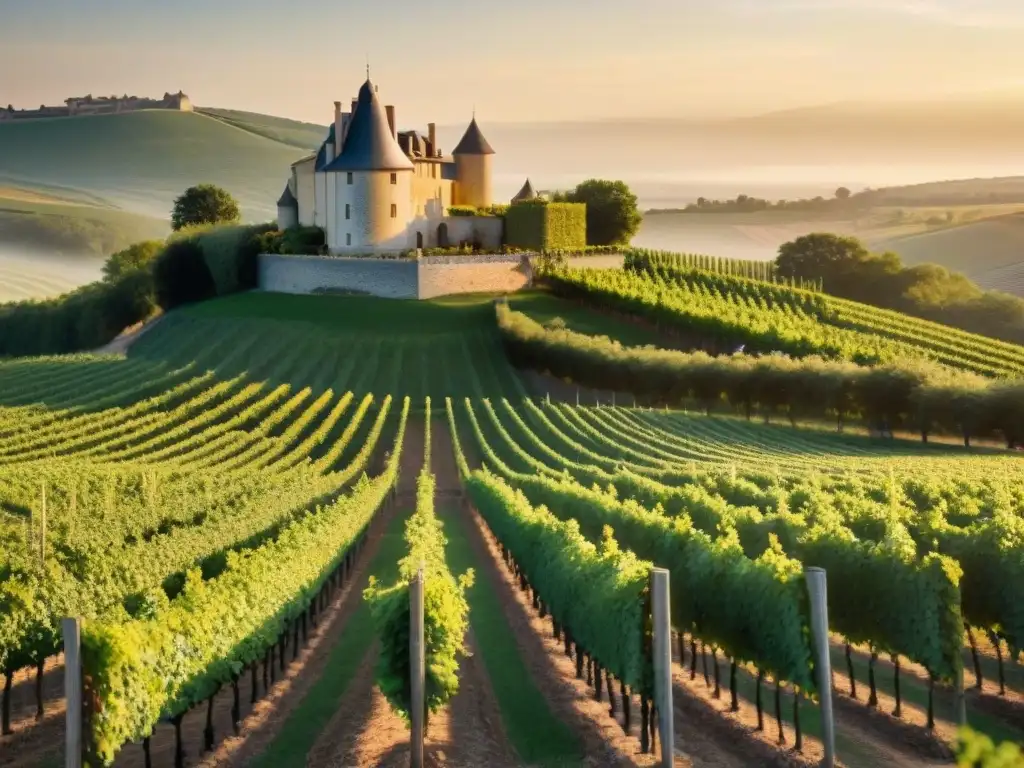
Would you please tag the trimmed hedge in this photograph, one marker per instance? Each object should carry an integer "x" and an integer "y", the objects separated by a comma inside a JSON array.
[
  {"x": 544, "y": 226},
  {"x": 912, "y": 394}
]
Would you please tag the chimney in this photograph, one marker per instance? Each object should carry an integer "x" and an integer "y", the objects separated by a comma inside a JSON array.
[
  {"x": 339, "y": 127},
  {"x": 391, "y": 120},
  {"x": 432, "y": 138}
]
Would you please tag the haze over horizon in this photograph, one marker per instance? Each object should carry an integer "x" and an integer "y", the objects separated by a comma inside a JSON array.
[{"x": 436, "y": 61}]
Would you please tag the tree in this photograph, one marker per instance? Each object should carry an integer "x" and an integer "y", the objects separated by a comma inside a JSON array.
[
  {"x": 842, "y": 194},
  {"x": 204, "y": 204},
  {"x": 612, "y": 213}
]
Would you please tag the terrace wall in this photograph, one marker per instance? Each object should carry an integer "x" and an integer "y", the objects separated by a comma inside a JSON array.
[{"x": 425, "y": 278}]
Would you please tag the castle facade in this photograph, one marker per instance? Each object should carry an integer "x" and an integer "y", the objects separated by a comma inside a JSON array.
[
  {"x": 375, "y": 189},
  {"x": 100, "y": 105}
]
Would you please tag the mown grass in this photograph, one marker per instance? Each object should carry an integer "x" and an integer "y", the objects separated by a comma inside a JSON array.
[
  {"x": 544, "y": 307},
  {"x": 533, "y": 730}
]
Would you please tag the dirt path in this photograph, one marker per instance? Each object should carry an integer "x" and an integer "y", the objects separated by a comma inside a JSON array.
[
  {"x": 34, "y": 741},
  {"x": 123, "y": 342}
]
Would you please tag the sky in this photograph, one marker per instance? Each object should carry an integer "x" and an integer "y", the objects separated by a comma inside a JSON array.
[{"x": 528, "y": 60}]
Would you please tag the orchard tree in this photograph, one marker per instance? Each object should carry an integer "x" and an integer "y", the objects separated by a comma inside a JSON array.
[
  {"x": 204, "y": 204},
  {"x": 612, "y": 213}
]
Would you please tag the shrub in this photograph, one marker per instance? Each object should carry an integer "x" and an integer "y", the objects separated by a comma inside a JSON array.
[
  {"x": 181, "y": 276},
  {"x": 231, "y": 254},
  {"x": 543, "y": 226},
  {"x": 462, "y": 210}
]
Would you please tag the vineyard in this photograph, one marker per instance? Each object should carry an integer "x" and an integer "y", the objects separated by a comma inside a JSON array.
[{"x": 236, "y": 510}]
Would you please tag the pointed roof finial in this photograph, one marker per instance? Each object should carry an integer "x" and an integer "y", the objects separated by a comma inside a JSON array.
[{"x": 367, "y": 66}]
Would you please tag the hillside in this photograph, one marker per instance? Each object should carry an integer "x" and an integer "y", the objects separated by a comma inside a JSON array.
[
  {"x": 54, "y": 239},
  {"x": 217, "y": 500},
  {"x": 141, "y": 161},
  {"x": 983, "y": 241}
]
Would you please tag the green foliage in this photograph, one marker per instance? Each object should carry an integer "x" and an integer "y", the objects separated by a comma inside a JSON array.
[
  {"x": 906, "y": 393},
  {"x": 847, "y": 269},
  {"x": 723, "y": 312},
  {"x": 86, "y": 318},
  {"x": 975, "y": 750},
  {"x": 445, "y": 610},
  {"x": 498, "y": 209},
  {"x": 753, "y": 609},
  {"x": 181, "y": 275},
  {"x": 231, "y": 255},
  {"x": 612, "y": 215},
  {"x": 295, "y": 241},
  {"x": 204, "y": 204},
  {"x": 139, "y": 256},
  {"x": 596, "y": 592},
  {"x": 542, "y": 226},
  {"x": 145, "y": 669}
]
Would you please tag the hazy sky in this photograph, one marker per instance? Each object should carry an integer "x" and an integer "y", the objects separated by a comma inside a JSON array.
[{"x": 522, "y": 60}]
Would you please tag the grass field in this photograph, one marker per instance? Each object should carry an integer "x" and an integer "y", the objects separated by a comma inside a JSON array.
[
  {"x": 231, "y": 439},
  {"x": 141, "y": 161}
]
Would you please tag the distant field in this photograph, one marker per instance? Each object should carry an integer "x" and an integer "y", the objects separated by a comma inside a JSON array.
[
  {"x": 980, "y": 240},
  {"x": 141, "y": 161},
  {"x": 306, "y": 136},
  {"x": 24, "y": 275}
]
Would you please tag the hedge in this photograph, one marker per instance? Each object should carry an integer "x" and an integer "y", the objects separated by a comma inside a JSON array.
[
  {"x": 913, "y": 394},
  {"x": 544, "y": 226}
]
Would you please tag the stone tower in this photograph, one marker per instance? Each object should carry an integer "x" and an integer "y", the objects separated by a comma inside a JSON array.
[{"x": 473, "y": 169}]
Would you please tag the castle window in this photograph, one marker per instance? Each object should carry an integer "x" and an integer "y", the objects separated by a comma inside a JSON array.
[
  {"x": 394, "y": 178},
  {"x": 350, "y": 177},
  {"x": 348, "y": 211},
  {"x": 433, "y": 170},
  {"x": 348, "y": 238},
  {"x": 394, "y": 211}
]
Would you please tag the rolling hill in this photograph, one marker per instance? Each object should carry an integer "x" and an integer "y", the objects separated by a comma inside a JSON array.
[
  {"x": 140, "y": 161},
  {"x": 74, "y": 190}
]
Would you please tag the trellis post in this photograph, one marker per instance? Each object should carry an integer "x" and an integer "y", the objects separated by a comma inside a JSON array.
[
  {"x": 662, "y": 626},
  {"x": 72, "y": 631},
  {"x": 817, "y": 587},
  {"x": 417, "y": 667}
]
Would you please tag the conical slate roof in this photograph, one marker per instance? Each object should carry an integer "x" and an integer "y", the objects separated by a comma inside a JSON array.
[
  {"x": 287, "y": 198},
  {"x": 473, "y": 142},
  {"x": 369, "y": 145},
  {"x": 526, "y": 193}
]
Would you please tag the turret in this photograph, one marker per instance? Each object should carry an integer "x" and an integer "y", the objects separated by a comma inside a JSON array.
[
  {"x": 287, "y": 209},
  {"x": 473, "y": 169}
]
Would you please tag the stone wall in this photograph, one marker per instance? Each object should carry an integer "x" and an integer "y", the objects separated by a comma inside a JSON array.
[
  {"x": 388, "y": 278},
  {"x": 443, "y": 275},
  {"x": 425, "y": 278}
]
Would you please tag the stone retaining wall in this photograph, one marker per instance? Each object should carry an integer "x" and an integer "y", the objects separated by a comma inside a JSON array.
[{"x": 425, "y": 278}]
